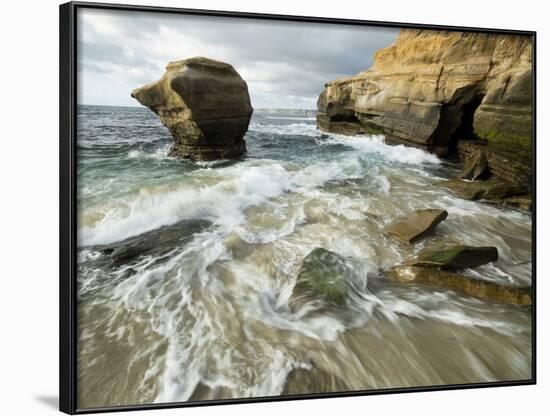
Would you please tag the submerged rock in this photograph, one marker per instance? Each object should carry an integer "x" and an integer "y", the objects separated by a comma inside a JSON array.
[
  {"x": 520, "y": 295},
  {"x": 313, "y": 380},
  {"x": 154, "y": 242},
  {"x": 415, "y": 226},
  {"x": 205, "y": 105},
  {"x": 458, "y": 257},
  {"x": 323, "y": 276},
  {"x": 204, "y": 392}
]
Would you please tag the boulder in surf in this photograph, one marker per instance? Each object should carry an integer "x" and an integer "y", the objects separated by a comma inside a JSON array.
[
  {"x": 323, "y": 275},
  {"x": 204, "y": 104}
]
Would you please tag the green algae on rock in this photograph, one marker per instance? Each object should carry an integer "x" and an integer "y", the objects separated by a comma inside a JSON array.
[
  {"x": 458, "y": 257},
  {"x": 323, "y": 275}
]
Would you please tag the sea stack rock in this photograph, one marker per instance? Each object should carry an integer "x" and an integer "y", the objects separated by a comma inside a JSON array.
[
  {"x": 205, "y": 105},
  {"x": 435, "y": 89}
]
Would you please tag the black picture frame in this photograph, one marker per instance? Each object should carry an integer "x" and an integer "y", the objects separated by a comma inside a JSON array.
[{"x": 67, "y": 202}]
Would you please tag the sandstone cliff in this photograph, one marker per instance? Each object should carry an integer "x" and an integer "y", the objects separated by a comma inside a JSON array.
[
  {"x": 205, "y": 105},
  {"x": 434, "y": 89}
]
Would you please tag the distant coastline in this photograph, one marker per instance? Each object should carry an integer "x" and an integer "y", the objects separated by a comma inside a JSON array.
[
  {"x": 270, "y": 111},
  {"x": 287, "y": 111}
]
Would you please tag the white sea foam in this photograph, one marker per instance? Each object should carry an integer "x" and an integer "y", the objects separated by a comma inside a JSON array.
[
  {"x": 365, "y": 144},
  {"x": 220, "y": 311},
  {"x": 296, "y": 129},
  {"x": 242, "y": 186},
  {"x": 376, "y": 144},
  {"x": 159, "y": 154}
]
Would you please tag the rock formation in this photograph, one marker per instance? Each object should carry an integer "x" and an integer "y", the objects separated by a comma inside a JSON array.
[
  {"x": 205, "y": 105},
  {"x": 475, "y": 166},
  {"x": 457, "y": 257},
  {"x": 155, "y": 242},
  {"x": 415, "y": 226},
  {"x": 482, "y": 289},
  {"x": 439, "y": 268},
  {"x": 492, "y": 190},
  {"x": 439, "y": 89},
  {"x": 323, "y": 275}
]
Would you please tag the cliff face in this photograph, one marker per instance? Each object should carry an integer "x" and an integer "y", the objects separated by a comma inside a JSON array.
[
  {"x": 205, "y": 105},
  {"x": 435, "y": 88}
]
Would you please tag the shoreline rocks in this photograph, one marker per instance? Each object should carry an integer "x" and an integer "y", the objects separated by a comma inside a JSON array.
[
  {"x": 415, "y": 226},
  {"x": 425, "y": 85},
  {"x": 475, "y": 167},
  {"x": 492, "y": 190},
  {"x": 457, "y": 257},
  {"x": 478, "y": 288},
  {"x": 498, "y": 177},
  {"x": 440, "y": 89},
  {"x": 204, "y": 104},
  {"x": 437, "y": 267},
  {"x": 510, "y": 167}
]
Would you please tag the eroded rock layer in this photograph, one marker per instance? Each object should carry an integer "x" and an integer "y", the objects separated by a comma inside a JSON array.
[
  {"x": 434, "y": 88},
  {"x": 205, "y": 105}
]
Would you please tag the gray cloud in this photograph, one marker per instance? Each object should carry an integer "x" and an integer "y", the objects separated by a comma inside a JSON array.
[{"x": 285, "y": 64}]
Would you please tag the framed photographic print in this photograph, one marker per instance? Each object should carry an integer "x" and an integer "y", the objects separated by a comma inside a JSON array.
[{"x": 262, "y": 207}]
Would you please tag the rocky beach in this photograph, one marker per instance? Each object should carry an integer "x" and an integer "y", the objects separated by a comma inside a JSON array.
[{"x": 383, "y": 240}]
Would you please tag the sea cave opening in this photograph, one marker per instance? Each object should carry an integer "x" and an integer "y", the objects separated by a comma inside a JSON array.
[
  {"x": 348, "y": 116},
  {"x": 456, "y": 123},
  {"x": 465, "y": 129}
]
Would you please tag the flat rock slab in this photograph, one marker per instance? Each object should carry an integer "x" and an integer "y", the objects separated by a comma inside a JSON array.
[
  {"x": 415, "y": 226},
  {"x": 481, "y": 289},
  {"x": 458, "y": 257},
  {"x": 492, "y": 189},
  {"x": 154, "y": 242},
  {"x": 322, "y": 276},
  {"x": 523, "y": 202}
]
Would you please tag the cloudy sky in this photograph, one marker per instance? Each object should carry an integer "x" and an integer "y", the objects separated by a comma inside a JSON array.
[{"x": 285, "y": 64}]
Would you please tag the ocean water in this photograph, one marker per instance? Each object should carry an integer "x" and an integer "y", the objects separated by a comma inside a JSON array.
[{"x": 210, "y": 318}]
